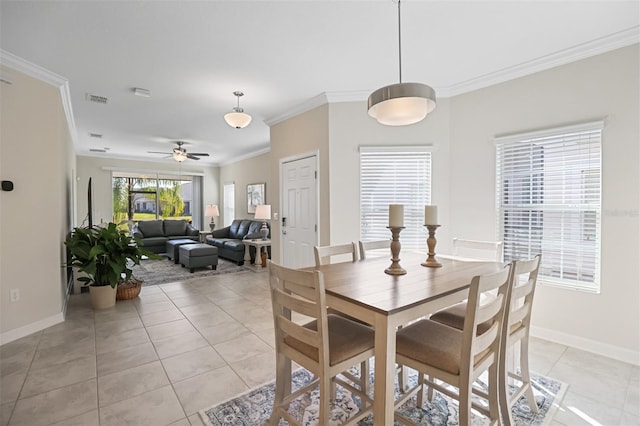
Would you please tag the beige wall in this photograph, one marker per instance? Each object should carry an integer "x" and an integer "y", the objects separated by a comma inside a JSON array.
[
  {"x": 242, "y": 173},
  {"x": 601, "y": 87},
  {"x": 350, "y": 127},
  {"x": 307, "y": 133},
  {"x": 99, "y": 170},
  {"x": 36, "y": 154}
]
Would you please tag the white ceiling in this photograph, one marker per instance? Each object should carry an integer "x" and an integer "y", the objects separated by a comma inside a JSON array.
[{"x": 193, "y": 54}]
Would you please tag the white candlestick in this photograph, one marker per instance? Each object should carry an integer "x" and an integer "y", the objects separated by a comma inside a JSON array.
[
  {"x": 396, "y": 215},
  {"x": 430, "y": 215}
]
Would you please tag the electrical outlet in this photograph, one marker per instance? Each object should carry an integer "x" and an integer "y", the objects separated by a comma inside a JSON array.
[{"x": 15, "y": 294}]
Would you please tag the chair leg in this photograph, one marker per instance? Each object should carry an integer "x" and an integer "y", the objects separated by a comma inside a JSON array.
[
  {"x": 503, "y": 393},
  {"x": 464, "y": 414},
  {"x": 494, "y": 411},
  {"x": 524, "y": 372},
  {"x": 403, "y": 378},
  {"x": 429, "y": 391},
  {"x": 283, "y": 377},
  {"x": 420, "y": 400},
  {"x": 326, "y": 385},
  {"x": 364, "y": 377},
  {"x": 334, "y": 390}
]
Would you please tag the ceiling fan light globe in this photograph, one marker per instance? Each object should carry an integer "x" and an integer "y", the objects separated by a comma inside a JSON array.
[
  {"x": 238, "y": 120},
  {"x": 179, "y": 156}
]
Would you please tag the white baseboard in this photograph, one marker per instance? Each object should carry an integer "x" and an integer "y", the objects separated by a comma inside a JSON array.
[
  {"x": 604, "y": 349},
  {"x": 17, "y": 333}
]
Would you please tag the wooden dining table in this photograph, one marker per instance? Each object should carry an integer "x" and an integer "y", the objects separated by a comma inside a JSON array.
[{"x": 364, "y": 291}]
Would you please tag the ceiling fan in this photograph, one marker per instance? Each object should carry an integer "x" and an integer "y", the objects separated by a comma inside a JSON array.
[{"x": 180, "y": 154}]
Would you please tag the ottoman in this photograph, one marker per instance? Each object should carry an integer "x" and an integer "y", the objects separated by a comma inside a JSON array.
[
  {"x": 172, "y": 248},
  {"x": 198, "y": 255}
]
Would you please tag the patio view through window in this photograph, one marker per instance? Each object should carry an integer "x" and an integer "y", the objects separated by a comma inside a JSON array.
[
  {"x": 142, "y": 197},
  {"x": 548, "y": 199}
]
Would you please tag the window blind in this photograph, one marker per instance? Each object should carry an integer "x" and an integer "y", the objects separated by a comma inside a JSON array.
[
  {"x": 398, "y": 175},
  {"x": 548, "y": 198}
]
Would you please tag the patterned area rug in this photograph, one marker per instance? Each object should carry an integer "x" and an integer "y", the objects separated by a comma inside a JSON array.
[
  {"x": 154, "y": 272},
  {"x": 254, "y": 407}
]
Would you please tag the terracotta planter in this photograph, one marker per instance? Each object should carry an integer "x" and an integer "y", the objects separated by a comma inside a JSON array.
[{"x": 102, "y": 297}]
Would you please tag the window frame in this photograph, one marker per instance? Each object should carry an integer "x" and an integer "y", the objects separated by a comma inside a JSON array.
[
  {"x": 587, "y": 203},
  {"x": 414, "y": 236}
]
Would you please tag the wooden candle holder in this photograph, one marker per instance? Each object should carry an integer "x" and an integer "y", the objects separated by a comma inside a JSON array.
[
  {"x": 431, "y": 261},
  {"x": 395, "y": 268}
]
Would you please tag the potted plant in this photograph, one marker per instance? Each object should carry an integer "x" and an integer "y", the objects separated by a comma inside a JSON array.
[{"x": 106, "y": 255}]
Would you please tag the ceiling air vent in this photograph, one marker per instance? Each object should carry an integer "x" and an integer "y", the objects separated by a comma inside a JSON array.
[
  {"x": 97, "y": 99},
  {"x": 97, "y": 150},
  {"x": 95, "y": 135}
]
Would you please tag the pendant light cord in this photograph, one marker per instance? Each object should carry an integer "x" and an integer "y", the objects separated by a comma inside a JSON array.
[{"x": 399, "y": 44}]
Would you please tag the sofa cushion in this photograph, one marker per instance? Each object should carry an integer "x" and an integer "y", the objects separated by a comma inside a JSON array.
[
  {"x": 234, "y": 245},
  {"x": 154, "y": 241},
  {"x": 218, "y": 242},
  {"x": 254, "y": 231},
  {"x": 233, "y": 228},
  {"x": 241, "y": 231},
  {"x": 151, "y": 228},
  {"x": 175, "y": 227}
]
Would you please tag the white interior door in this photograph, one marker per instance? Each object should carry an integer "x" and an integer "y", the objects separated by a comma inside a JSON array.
[{"x": 299, "y": 212}]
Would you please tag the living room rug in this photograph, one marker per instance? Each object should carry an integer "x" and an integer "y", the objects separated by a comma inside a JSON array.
[
  {"x": 254, "y": 406},
  {"x": 154, "y": 272}
]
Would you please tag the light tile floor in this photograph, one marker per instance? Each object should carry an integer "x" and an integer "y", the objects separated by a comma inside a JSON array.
[{"x": 182, "y": 347}]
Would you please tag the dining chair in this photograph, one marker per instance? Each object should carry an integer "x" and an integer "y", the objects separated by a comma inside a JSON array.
[
  {"x": 323, "y": 254},
  {"x": 459, "y": 357},
  {"x": 327, "y": 346},
  {"x": 478, "y": 250},
  {"x": 516, "y": 329},
  {"x": 373, "y": 245}
]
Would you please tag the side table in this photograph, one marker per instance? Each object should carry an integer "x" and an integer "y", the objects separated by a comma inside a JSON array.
[
  {"x": 203, "y": 235},
  {"x": 260, "y": 245}
]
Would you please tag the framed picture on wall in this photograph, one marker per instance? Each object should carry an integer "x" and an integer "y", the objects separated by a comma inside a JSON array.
[{"x": 255, "y": 196}]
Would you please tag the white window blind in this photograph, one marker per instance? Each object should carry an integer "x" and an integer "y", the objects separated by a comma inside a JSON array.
[
  {"x": 548, "y": 197},
  {"x": 398, "y": 175}
]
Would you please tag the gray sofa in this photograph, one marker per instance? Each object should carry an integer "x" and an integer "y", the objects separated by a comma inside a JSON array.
[
  {"x": 154, "y": 234},
  {"x": 229, "y": 239}
]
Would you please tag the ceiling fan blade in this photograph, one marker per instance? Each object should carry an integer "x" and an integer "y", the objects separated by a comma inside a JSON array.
[
  {"x": 201, "y": 154},
  {"x": 193, "y": 157},
  {"x": 158, "y": 152}
]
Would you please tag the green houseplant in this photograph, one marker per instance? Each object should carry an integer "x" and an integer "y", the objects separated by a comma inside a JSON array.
[{"x": 105, "y": 255}]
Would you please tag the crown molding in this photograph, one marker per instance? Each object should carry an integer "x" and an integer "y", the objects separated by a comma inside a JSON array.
[
  {"x": 582, "y": 51},
  {"x": 307, "y": 105},
  {"x": 245, "y": 156},
  {"x": 36, "y": 71},
  {"x": 316, "y": 101}
]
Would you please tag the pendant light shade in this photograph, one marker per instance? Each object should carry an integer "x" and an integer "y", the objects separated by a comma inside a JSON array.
[
  {"x": 401, "y": 104},
  {"x": 238, "y": 118}
]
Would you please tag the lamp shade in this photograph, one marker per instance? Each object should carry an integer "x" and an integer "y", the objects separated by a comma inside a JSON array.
[
  {"x": 263, "y": 212},
  {"x": 238, "y": 120},
  {"x": 212, "y": 210},
  {"x": 402, "y": 103}
]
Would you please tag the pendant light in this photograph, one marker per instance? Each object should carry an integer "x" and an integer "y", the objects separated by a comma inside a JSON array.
[
  {"x": 401, "y": 104},
  {"x": 238, "y": 118}
]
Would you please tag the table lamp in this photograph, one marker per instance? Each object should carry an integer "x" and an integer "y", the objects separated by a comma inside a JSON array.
[
  {"x": 263, "y": 212},
  {"x": 212, "y": 210}
]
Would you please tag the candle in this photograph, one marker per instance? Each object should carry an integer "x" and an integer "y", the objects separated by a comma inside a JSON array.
[
  {"x": 396, "y": 215},
  {"x": 430, "y": 215}
]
